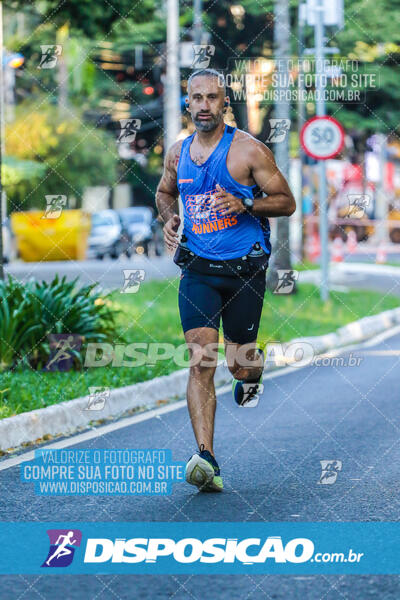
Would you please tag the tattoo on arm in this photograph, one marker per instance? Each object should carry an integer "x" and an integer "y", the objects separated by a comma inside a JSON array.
[{"x": 167, "y": 191}]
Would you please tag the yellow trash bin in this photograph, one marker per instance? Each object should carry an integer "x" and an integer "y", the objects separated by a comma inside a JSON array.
[{"x": 40, "y": 237}]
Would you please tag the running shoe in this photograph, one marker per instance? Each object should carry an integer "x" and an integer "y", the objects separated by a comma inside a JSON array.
[
  {"x": 245, "y": 393},
  {"x": 202, "y": 470}
]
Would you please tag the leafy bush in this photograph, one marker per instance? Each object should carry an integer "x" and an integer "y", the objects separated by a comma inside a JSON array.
[
  {"x": 31, "y": 311},
  {"x": 18, "y": 321}
]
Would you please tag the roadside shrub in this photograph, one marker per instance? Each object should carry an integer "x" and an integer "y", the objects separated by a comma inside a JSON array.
[{"x": 30, "y": 312}]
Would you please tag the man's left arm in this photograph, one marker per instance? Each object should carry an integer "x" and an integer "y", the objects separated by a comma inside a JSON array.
[{"x": 278, "y": 202}]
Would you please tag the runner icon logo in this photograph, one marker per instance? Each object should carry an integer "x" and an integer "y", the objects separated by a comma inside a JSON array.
[
  {"x": 279, "y": 128},
  {"x": 358, "y": 205},
  {"x": 129, "y": 129},
  {"x": 329, "y": 471},
  {"x": 286, "y": 280},
  {"x": 251, "y": 394},
  {"x": 54, "y": 206},
  {"x": 98, "y": 396},
  {"x": 63, "y": 543},
  {"x": 50, "y": 54},
  {"x": 132, "y": 280},
  {"x": 202, "y": 55},
  {"x": 63, "y": 349}
]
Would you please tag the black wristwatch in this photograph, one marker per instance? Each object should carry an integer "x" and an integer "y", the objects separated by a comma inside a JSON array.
[{"x": 248, "y": 203}]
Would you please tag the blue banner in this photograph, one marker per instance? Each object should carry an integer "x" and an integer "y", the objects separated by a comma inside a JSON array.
[
  {"x": 200, "y": 548},
  {"x": 79, "y": 471}
]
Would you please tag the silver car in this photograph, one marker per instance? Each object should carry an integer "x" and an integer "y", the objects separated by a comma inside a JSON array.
[
  {"x": 9, "y": 246},
  {"x": 142, "y": 227},
  {"x": 108, "y": 236}
]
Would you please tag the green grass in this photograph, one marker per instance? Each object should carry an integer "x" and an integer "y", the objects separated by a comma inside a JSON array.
[
  {"x": 151, "y": 315},
  {"x": 306, "y": 265}
]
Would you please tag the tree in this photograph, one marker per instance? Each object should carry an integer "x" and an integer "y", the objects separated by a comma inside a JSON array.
[
  {"x": 76, "y": 18},
  {"x": 92, "y": 19},
  {"x": 371, "y": 37},
  {"x": 75, "y": 157}
]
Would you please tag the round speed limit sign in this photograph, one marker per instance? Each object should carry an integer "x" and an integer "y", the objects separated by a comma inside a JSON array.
[{"x": 322, "y": 137}]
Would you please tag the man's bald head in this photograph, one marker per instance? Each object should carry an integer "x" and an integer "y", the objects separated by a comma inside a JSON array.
[{"x": 208, "y": 73}]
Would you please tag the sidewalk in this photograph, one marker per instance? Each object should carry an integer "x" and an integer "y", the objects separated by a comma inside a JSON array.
[{"x": 357, "y": 275}]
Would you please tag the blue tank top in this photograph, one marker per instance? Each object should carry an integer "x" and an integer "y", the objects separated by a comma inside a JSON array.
[{"x": 208, "y": 233}]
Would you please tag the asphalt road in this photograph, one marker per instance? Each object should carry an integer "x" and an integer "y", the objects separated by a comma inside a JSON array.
[{"x": 270, "y": 461}]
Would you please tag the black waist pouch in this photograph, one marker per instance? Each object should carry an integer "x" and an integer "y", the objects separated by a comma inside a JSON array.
[
  {"x": 245, "y": 265},
  {"x": 258, "y": 262}
]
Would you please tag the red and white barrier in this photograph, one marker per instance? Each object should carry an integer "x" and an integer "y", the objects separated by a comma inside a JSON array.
[
  {"x": 313, "y": 247},
  {"x": 351, "y": 245},
  {"x": 381, "y": 254},
  {"x": 337, "y": 252}
]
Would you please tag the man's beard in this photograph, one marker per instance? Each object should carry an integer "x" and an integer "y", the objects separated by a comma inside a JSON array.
[{"x": 209, "y": 125}]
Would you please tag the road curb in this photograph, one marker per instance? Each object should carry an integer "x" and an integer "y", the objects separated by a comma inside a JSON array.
[{"x": 72, "y": 416}]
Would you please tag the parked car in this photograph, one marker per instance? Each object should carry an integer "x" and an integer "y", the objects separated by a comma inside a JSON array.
[
  {"x": 108, "y": 236},
  {"x": 9, "y": 246},
  {"x": 143, "y": 229}
]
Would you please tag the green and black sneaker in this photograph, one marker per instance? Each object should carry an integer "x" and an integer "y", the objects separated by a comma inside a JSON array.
[{"x": 202, "y": 470}]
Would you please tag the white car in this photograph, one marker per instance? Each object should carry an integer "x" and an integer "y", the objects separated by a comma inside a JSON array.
[
  {"x": 144, "y": 230},
  {"x": 108, "y": 236},
  {"x": 9, "y": 249}
]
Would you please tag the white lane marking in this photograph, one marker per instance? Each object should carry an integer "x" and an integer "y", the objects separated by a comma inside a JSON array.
[
  {"x": 381, "y": 337},
  {"x": 382, "y": 352},
  {"x": 155, "y": 413}
]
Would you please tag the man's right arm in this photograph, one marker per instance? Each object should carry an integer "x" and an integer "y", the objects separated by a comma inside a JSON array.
[{"x": 167, "y": 196}]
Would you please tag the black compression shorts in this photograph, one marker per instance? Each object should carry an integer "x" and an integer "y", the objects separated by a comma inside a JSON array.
[{"x": 238, "y": 300}]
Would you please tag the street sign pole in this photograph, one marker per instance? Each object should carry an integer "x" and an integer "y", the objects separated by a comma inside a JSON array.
[
  {"x": 323, "y": 206},
  {"x": 301, "y": 117}
]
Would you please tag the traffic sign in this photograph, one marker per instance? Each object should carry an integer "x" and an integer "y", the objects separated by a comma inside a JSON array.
[
  {"x": 332, "y": 12},
  {"x": 322, "y": 137}
]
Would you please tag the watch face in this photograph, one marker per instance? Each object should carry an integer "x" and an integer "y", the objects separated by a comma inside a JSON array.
[{"x": 248, "y": 202}]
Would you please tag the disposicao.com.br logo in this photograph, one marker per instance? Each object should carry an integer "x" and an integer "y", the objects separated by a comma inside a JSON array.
[{"x": 213, "y": 550}]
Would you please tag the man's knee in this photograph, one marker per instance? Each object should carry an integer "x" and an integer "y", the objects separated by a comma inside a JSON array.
[{"x": 201, "y": 366}]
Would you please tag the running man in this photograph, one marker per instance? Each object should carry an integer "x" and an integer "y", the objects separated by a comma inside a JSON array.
[
  {"x": 223, "y": 253},
  {"x": 62, "y": 549}
]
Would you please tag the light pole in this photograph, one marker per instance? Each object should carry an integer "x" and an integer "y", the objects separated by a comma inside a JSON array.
[
  {"x": 197, "y": 22},
  {"x": 282, "y": 258},
  {"x": 172, "y": 87},
  {"x": 323, "y": 205}
]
